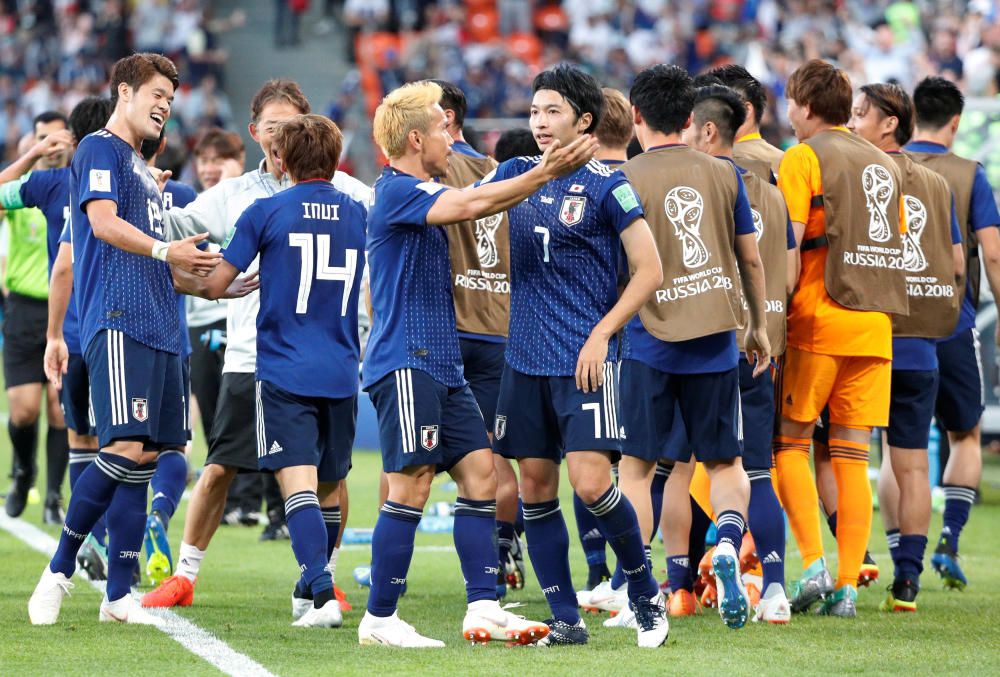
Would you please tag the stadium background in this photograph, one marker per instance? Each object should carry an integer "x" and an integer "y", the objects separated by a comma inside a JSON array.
[{"x": 346, "y": 54}]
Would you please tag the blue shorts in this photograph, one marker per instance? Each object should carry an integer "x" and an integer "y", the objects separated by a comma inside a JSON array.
[
  {"x": 960, "y": 399},
  {"x": 300, "y": 430},
  {"x": 422, "y": 422},
  {"x": 548, "y": 417},
  {"x": 136, "y": 391},
  {"x": 483, "y": 367},
  {"x": 757, "y": 400},
  {"x": 911, "y": 408},
  {"x": 707, "y": 406},
  {"x": 75, "y": 397}
]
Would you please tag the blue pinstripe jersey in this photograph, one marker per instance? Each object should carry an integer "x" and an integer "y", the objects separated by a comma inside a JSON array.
[
  {"x": 115, "y": 289},
  {"x": 414, "y": 312},
  {"x": 564, "y": 244}
]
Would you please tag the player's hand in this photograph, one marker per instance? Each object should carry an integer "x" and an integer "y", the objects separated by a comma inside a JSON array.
[
  {"x": 231, "y": 168},
  {"x": 242, "y": 286},
  {"x": 161, "y": 176},
  {"x": 53, "y": 144},
  {"x": 56, "y": 361},
  {"x": 590, "y": 364},
  {"x": 557, "y": 161},
  {"x": 758, "y": 349},
  {"x": 185, "y": 255}
]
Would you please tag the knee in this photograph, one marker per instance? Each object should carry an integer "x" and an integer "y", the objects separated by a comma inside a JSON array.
[
  {"x": 535, "y": 488},
  {"x": 215, "y": 478},
  {"x": 23, "y": 414},
  {"x": 590, "y": 489}
]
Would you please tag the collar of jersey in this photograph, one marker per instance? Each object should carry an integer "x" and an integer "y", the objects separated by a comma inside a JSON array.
[
  {"x": 926, "y": 147},
  {"x": 269, "y": 179}
]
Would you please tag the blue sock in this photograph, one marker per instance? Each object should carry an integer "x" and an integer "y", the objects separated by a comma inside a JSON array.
[
  {"x": 618, "y": 577},
  {"x": 168, "y": 484},
  {"x": 679, "y": 573},
  {"x": 475, "y": 543},
  {"x": 505, "y": 540},
  {"x": 892, "y": 540},
  {"x": 392, "y": 550},
  {"x": 94, "y": 489},
  {"x": 767, "y": 524},
  {"x": 590, "y": 534},
  {"x": 730, "y": 526},
  {"x": 331, "y": 519},
  {"x": 308, "y": 536},
  {"x": 910, "y": 556},
  {"x": 621, "y": 527},
  {"x": 958, "y": 502},
  {"x": 548, "y": 548},
  {"x": 656, "y": 492},
  {"x": 127, "y": 517},
  {"x": 79, "y": 460}
]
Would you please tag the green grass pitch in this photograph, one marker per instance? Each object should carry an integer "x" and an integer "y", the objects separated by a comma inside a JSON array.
[{"x": 243, "y": 598}]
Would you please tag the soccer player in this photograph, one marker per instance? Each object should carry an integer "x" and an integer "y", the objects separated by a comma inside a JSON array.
[
  {"x": 680, "y": 364},
  {"x": 167, "y": 483},
  {"x": 959, "y": 406},
  {"x": 232, "y": 445},
  {"x": 715, "y": 119},
  {"x": 559, "y": 394},
  {"x": 750, "y": 151},
  {"x": 428, "y": 417},
  {"x": 844, "y": 201},
  {"x": 883, "y": 115},
  {"x": 310, "y": 239},
  {"x": 35, "y": 221},
  {"x": 130, "y": 331},
  {"x": 480, "y": 265}
]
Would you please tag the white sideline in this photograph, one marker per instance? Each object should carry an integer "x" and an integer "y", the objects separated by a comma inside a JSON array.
[{"x": 200, "y": 642}]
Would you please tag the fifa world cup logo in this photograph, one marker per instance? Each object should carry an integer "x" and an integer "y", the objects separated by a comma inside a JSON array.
[
  {"x": 684, "y": 207},
  {"x": 914, "y": 260},
  {"x": 486, "y": 240},
  {"x": 758, "y": 223},
  {"x": 877, "y": 184}
]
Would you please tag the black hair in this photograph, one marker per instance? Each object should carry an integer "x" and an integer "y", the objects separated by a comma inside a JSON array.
[
  {"x": 515, "y": 143},
  {"x": 664, "y": 96},
  {"x": 739, "y": 78},
  {"x": 937, "y": 101},
  {"x": 723, "y": 106},
  {"x": 706, "y": 80},
  {"x": 453, "y": 99},
  {"x": 149, "y": 147},
  {"x": 581, "y": 90},
  {"x": 49, "y": 116},
  {"x": 89, "y": 115}
]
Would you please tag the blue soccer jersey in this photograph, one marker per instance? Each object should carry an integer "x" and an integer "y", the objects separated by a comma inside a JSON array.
[
  {"x": 414, "y": 322},
  {"x": 177, "y": 194},
  {"x": 564, "y": 244},
  {"x": 48, "y": 190},
  {"x": 311, "y": 241},
  {"x": 71, "y": 323},
  {"x": 116, "y": 289}
]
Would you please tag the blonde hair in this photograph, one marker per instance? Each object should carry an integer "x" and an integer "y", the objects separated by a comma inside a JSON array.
[
  {"x": 615, "y": 128},
  {"x": 401, "y": 111}
]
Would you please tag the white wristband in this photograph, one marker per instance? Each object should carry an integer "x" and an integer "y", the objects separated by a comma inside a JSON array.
[{"x": 160, "y": 250}]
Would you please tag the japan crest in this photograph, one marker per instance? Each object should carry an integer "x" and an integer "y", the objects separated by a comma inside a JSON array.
[
  {"x": 140, "y": 410},
  {"x": 429, "y": 437},
  {"x": 571, "y": 211},
  {"x": 500, "y": 427}
]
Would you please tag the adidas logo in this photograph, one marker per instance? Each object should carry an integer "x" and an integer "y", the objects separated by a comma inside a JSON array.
[
  {"x": 593, "y": 533},
  {"x": 159, "y": 494},
  {"x": 275, "y": 448},
  {"x": 772, "y": 558}
]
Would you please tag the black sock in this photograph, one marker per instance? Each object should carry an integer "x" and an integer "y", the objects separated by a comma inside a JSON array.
[
  {"x": 24, "y": 442},
  {"x": 56, "y": 457}
]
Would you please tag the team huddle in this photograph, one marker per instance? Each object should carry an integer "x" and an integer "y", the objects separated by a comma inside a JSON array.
[{"x": 641, "y": 287}]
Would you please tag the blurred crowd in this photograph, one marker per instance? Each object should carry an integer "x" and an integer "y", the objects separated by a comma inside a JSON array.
[{"x": 54, "y": 53}]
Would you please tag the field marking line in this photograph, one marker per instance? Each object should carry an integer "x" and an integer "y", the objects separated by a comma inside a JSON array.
[{"x": 198, "y": 641}]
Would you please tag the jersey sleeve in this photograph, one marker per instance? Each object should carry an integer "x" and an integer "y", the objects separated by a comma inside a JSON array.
[
  {"x": 790, "y": 234},
  {"x": 11, "y": 196},
  {"x": 65, "y": 235},
  {"x": 96, "y": 166},
  {"x": 983, "y": 212},
  {"x": 742, "y": 212},
  {"x": 407, "y": 200},
  {"x": 956, "y": 230},
  {"x": 244, "y": 242},
  {"x": 619, "y": 205},
  {"x": 795, "y": 181}
]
